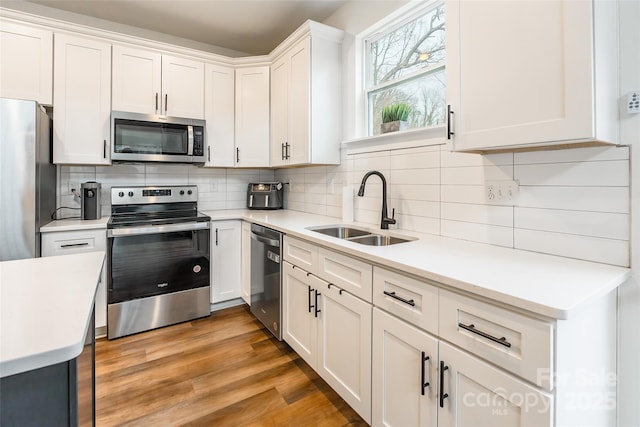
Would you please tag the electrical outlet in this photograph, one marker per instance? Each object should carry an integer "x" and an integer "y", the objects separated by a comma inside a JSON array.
[
  {"x": 501, "y": 192},
  {"x": 633, "y": 102}
]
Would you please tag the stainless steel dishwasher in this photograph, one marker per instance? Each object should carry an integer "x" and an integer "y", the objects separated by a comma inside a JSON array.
[{"x": 266, "y": 288}]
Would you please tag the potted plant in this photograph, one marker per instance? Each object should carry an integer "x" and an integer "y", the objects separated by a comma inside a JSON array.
[{"x": 394, "y": 117}]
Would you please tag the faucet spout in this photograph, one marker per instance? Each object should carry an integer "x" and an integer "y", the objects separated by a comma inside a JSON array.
[{"x": 385, "y": 220}]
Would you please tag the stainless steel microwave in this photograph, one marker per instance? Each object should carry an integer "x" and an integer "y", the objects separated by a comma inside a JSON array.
[{"x": 149, "y": 138}]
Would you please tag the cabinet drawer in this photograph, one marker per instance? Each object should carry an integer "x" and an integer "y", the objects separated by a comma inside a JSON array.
[
  {"x": 410, "y": 299},
  {"x": 352, "y": 275},
  {"x": 301, "y": 254},
  {"x": 514, "y": 342},
  {"x": 73, "y": 242}
]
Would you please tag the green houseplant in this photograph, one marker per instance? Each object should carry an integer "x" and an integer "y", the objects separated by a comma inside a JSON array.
[{"x": 394, "y": 117}]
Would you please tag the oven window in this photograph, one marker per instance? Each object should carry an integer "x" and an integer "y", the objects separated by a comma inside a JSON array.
[
  {"x": 150, "y": 138},
  {"x": 154, "y": 264}
]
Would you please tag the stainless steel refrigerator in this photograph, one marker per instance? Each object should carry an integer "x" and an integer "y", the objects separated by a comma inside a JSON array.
[{"x": 27, "y": 177}]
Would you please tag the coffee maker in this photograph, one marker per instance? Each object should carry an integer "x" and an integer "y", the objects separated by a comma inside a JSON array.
[{"x": 90, "y": 200}]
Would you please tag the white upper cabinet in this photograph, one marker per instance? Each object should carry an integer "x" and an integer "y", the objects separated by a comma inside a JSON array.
[
  {"x": 219, "y": 104},
  {"x": 82, "y": 100},
  {"x": 26, "y": 62},
  {"x": 148, "y": 82},
  {"x": 528, "y": 74},
  {"x": 252, "y": 117},
  {"x": 306, "y": 93}
]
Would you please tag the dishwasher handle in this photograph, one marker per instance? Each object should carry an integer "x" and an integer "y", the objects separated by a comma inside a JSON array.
[{"x": 263, "y": 239}]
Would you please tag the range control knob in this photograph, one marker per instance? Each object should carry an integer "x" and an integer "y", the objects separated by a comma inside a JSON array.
[
  {"x": 121, "y": 194},
  {"x": 182, "y": 192},
  {"x": 130, "y": 193},
  {"x": 189, "y": 192}
]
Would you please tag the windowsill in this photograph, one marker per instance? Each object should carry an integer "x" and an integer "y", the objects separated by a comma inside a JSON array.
[{"x": 396, "y": 140}]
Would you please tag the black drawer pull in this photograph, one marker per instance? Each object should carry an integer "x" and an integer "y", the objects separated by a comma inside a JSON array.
[
  {"x": 443, "y": 395},
  {"x": 317, "y": 310},
  {"x": 423, "y": 373},
  {"x": 406, "y": 301},
  {"x": 74, "y": 245},
  {"x": 471, "y": 328}
]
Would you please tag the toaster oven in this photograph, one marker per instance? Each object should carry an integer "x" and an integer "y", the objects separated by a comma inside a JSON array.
[{"x": 264, "y": 195}]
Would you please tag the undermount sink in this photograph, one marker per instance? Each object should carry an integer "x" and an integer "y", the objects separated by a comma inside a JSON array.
[
  {"x": 358, "y": 235},
  {"x": 380, "y": 240},
  {"x": 340, "y": 231}
]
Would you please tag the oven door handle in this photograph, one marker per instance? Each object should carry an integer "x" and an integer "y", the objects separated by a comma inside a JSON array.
[{"x": 157, "y": 229}]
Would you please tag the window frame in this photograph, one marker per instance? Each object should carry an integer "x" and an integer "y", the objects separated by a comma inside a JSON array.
[{"x": 382, "y": 28}]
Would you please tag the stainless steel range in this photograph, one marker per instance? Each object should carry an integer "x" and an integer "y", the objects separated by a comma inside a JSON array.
[{"x": 158, "y": 258}]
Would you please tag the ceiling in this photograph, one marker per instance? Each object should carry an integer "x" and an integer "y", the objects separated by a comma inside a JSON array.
[{"x": 251, "y": 26}]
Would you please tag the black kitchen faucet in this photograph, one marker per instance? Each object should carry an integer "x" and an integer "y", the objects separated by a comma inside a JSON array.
[{"x": 385, "y": 220}]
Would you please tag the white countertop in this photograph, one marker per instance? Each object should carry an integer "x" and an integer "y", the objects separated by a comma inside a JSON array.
[
  {"x": 547, "y": 285},
  {"x": 75, "y": 224},
  {"x": 45, "y": 309}
]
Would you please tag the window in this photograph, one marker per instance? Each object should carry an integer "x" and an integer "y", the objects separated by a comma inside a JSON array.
[{"x": 405, "y": 64}]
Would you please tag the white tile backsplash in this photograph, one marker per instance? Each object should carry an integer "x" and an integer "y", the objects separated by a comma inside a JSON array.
[{"x": 572, "y": 203}]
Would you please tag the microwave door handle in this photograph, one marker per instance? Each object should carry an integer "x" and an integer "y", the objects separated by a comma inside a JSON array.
[
  {"x": 251, "y": 200},
  {"x": 266, "y": 201},
  {"x": 190, "y": 140}
]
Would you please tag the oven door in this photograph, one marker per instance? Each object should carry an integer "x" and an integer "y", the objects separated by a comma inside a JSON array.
[{"x": 154, "y": 260}]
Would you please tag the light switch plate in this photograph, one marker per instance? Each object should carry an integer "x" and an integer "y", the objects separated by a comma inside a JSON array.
[{"x": 501, "y": 192}]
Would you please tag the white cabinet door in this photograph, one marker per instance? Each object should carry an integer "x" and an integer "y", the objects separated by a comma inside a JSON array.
[
  {"x": 405, "y": 373},
  {"x": 246, "y": 262},
  {"x": 300, "y": 328},
  {"x": 474, "y": 393},
  {"x": 82, "y": 99},
  {"x": 226, "y": 275},
  {"x": 137, "y": 81},
  {"x": 182, "y": 87},
  {"x": 219, "y": 104},
  {"x": 300, "y": 103},
  {"x": 26, "y": 63},
  {"x": 80, "y": 241},
  {"x": 252, "y": 117},
  {"x": 279, "y": 111},
  {"x": 344, "y": 359},
  {"x": 523, "y": 73}
]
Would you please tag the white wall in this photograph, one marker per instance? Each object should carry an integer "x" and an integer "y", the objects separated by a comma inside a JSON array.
[{"x": 217, "y": 188}]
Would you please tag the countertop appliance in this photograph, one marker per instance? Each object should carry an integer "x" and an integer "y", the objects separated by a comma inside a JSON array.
[
  {"x": 27, "y": 177},
  {"x": 90, "y": 201},
  {"x": 266, "y": 282},
  {"x": 265, "y": 195},
  {"x": 149, "y": 138},
  {"x": 158, "y": 254}
]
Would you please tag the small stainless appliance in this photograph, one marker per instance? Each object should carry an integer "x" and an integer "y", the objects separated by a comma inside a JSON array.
[
  {"x": 266, "y": 271},
  {"x": 27, "y": 178},
  {"x": 150, "y": 138},
  {"x": 264, "y": 195},
  {"x": 90, "y": 201},
  {"x": 158, "y": 255}
]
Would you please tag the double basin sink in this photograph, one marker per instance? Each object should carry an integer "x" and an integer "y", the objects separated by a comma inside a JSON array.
[{"x": 358, "y": 235}]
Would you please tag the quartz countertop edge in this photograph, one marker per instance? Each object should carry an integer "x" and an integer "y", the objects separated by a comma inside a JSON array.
[
  {"x": 75, "y": 224},
  {"x": 46, "y": 306},
  {"x": 546, "y": 285}
]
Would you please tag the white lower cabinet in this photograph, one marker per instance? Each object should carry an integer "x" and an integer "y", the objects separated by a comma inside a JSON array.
[
  {"x": 246, "y": 262},
  {"x": 226, "y": 256},
  {"x": 331, "y": 330},
  {"x": 75, "y": 242}
]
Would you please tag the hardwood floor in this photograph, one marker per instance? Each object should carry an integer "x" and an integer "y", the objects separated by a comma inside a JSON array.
[{"x": 224, "y": 370}]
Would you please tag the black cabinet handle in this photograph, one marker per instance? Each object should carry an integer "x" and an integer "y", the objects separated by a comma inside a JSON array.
[
  {"x": 450, "y": 133},
  {"x": 310, "y": 305},
  {"x": 74, "y": 245},
  {"x": 443, "y": 395},
  {"x": 423, "y": 373},
  {"x": 104, "y": 148},
  {"x": 208, "y": 154},
  {"x": 286, "y": 150},
  {"x": 237, "y": 155},
  {"x": 216, "y": 237},
  {"x": 471, "y": 328},
  {"x": 317, "y": 310},
  {"x": 406, "y": 301},
  {"x": 156, "y": 102},
  {"x": 166, "y": 102}
]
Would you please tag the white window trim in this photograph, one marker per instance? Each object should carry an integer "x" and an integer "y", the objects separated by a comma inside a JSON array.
[{"x": 426, "y": 136}]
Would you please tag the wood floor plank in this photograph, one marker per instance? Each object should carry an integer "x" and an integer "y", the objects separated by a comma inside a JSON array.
[{"x": 226, "y": 369}]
